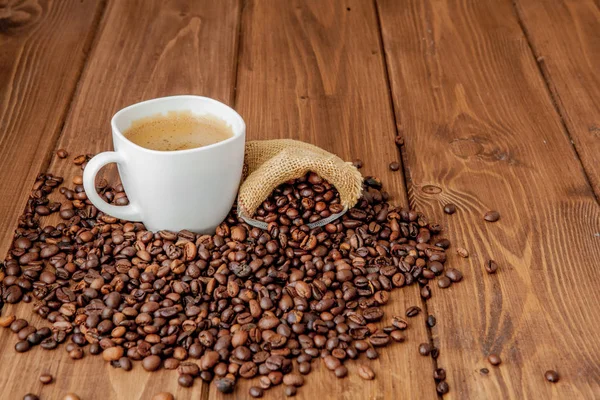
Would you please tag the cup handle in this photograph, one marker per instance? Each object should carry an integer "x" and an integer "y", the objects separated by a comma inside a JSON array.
[{"x": 129, "y": 212}]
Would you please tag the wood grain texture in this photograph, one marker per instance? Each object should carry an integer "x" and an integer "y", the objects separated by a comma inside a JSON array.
[
  {"x": 481, "y": 132},
  {"x": 145, "y": 49},
  {"x": 314, "y": 71},
  {"x": 39, "y": 68},
  {"x": 565, "y": 36}
]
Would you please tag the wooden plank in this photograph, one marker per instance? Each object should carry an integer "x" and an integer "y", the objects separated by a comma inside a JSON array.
[
  {"x": 565, "y": 36},
  {"x": 314, "y": 71},
  {"x": 146, "y": 49},
  {"x": 481, "y": 132},
  {"x": 39, "y": 68}
]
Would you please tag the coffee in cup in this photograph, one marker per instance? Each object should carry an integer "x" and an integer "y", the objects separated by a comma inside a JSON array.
[{"x": 178, "y": 130}]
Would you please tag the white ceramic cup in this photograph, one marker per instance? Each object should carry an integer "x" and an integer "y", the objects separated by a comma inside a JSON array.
[{"x": 190, "y": 189}]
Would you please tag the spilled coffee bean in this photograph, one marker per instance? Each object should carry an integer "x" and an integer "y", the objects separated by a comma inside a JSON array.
[
  {"x": 492, "y": 216},
  {"x": 551, "y": 376},
  {"x": 491, "y": 267},
  {"x": 494, "y": 359},
  {"x": 413, "y": 311},
  {"x": 443, "y": 388},
  {"x": 238, "y": 304},
  {"x": 450, "y": 208},
  {"x": 365, "y": 372}
]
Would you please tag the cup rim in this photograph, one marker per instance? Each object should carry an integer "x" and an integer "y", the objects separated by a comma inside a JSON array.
[{"x": 236, "y": 116}]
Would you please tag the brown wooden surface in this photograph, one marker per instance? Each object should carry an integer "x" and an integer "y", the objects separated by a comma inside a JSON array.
[
  {"x": 140, "y": 54},
  {"x": 565, "y": 36},
  {"x": 322, "y": 76},
  {"x": 480, "y": 127},
  {"x": 481, "y": 132},
  {"x": 39, "y": 68}
]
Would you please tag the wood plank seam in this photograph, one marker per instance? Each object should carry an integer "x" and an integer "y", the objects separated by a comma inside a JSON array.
[
  {"x": 64, "y": 113},
  {"x": 88, "y": 49},
  {"x": 403, "y": 171},
  {"x": 553, "y": 94},
  {"x": 238, "y": 46}
]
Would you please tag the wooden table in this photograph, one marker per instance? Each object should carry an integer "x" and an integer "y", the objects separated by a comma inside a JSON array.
[{"x": 498, "y": 102}]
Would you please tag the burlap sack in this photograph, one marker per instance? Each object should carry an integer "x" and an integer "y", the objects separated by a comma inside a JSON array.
[{"x": 269, "y": 163}]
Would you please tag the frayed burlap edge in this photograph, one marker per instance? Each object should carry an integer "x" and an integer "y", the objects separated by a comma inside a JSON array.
[{"x": 269, "y": 163}]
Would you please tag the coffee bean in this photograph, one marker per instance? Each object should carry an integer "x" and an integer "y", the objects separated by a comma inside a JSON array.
[
  {"x": 399, "y": 140},
  {"x": 491, "y": 267},
  {"x": 95, "y": 349},
  {"x": 22, "y": 346},
  {"x": 256, "y": 391},
  {"x": 188, "y": 368},
  {"x": 425, "y": 292},
  {"x": 225, "y": 385},
  {"x": 331, "y": 363},
  {"x": 62, "y": 153},
  {"x": 492, "y": 216},
  {"x": 264, "y": 382},
  {"x": 46, "y": 379},
  {"x": 151, "y": 363},
  {"x": 413, "y": 311},
  {"x": 425, "y": 349},
  {"x": 26, "y": 332},
  {"x": 185, "y": 380},
  {"x": 371, "y": 353},
  {"x": 112, "y": 353},
  {"x": 398, "y": 336},
  {"x": 442, "y": 387},
  {"x": 275, "y": 377},
  {"x": 76, "y": 354},
  {"x": 551, "y": 376},
  {"x": 30, "y": 396},
  {"x": 454, "y": 275},
  {"x": 243, "y": 302},
  {"x": 71, "y": 396},
  {"x": 7, "y": 320},
  {"x": 171, "y": 363},
  {"x": 341, "y": 371},
  {"x": 248, "y": 370},
  {"x": 394, "y": 166},
  {"x": 461, "y": 251},
  {"x": 12, "y": 294},
  {"x": 365, "y": 372},
  {"x": 494, "y": 359},
  {"x": 290, "y": 391},
  {"x": 379, "y": 339},
  {"x": 49, "y": 344},
  {"x": 444, "y": 282},
  {"x": 484, "y": 371},
  {"x": 293, "y": 379},
  {"x": 450, "y": 208},
  {"x": 209, "y": 360},
  {"x": 70, "y": 347},
  {"x": 439, "y": 374},
  {"x": 163, "y": 396},
  {"x": 80, "y": 159},
  {"x": 357, "y": 163},
  {"x": 125, "y": 364},
  {"x": 399, "y": 323},
  {"x": 431, "y": 321}
]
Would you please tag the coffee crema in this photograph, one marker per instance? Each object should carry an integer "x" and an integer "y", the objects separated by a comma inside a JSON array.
[{"x": 178, "y": 130}]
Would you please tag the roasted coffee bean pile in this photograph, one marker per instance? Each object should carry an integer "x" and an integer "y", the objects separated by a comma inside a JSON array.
[
  {"x": 300, "y": 201},
  {"x": 237, "y": 304}
]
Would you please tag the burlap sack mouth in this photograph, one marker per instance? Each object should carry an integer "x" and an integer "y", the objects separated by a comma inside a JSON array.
[{"x": 269, "y": 163}]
